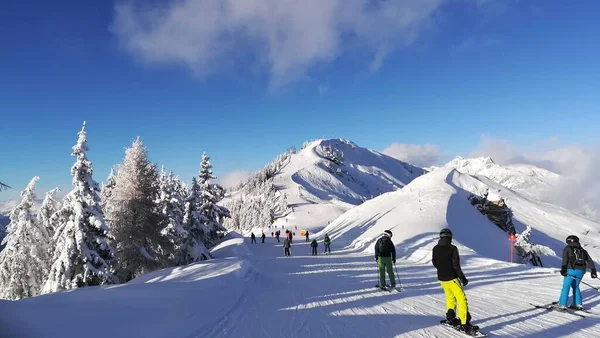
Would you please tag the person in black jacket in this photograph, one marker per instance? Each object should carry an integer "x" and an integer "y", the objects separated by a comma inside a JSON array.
[
  {"x": 575, "y": 261},
  {"x": 447, "y": 262},
  {"x": 252, "y": 238},
  {"x": 385, "y": 255}
]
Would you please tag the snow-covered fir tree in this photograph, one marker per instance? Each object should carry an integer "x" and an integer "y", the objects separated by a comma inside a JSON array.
[
  {"x": 82, "y": 254},
  {"x": 134, "y": 218},
  {"x": 24, "y": 260},
  {"x": 49, "y": 207},
  {"x": 171, "y": 204},
  {"x": 194, "y": 223},
  {"x": 211, "y": 195},
  {"x": 106, "y": 190}
]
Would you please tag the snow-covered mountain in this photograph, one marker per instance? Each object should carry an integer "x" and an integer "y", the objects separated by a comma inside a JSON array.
[
  {"x": 329, "y": 176},
  {"x": 439, "y": 199},
  {"x": 520, "y": 177}
]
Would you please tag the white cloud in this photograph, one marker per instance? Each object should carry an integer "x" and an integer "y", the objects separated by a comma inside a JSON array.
[
  {"x": 420, "y": 155},
  {"x": 578, "y": 165},
  {"x": 288, "y": 37},
  {"x": 234, "y": 178}
]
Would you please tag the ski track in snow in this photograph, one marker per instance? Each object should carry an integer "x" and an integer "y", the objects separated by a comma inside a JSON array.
[{"x": 334, "y": 296}]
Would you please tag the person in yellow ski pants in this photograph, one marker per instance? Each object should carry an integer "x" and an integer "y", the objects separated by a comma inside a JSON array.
[{"x": 446, "y": 260}]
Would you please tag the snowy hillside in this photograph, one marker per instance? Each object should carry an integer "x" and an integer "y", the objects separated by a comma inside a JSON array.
[
  {"x": 328, "y": 177},
  {"x": 437, "y": 200},
  {"x": 525, "y": 178}
]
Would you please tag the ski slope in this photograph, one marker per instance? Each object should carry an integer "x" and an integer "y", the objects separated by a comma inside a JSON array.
[
  {"x": 251, "y": 290},
  {"x": 438, "y": 199},
  {"x": 318, "y": 196}
]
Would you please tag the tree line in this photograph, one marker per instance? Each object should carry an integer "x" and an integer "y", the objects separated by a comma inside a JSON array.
[{"x": 140, "y": 220}]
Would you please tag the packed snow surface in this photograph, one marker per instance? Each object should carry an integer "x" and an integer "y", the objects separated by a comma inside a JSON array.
[{"x": 259, "y": 293}]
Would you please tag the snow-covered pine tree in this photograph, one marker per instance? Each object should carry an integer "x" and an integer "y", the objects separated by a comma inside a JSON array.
[
  {"x": 194, "y": 224},
  {"x": 82, "y": 253},
  {"x": 23, "y": 262},
  {"x": 171, "y": 204},
  {"x": 134, "y": 218},
  {"x": 211, "y": 195},
  {"x": 49, "y": 207},
  {"x": 107, "y": 188}
]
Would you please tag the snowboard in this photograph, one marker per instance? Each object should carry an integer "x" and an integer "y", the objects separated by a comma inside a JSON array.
[
  {"x": 551, "y": 307},
  {"x": 475, "y": 333}
]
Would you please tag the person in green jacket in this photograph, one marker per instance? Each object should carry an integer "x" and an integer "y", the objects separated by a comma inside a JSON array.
[
  {"x": 327, "y": 243},
  {"x": 314, "y": 246}
]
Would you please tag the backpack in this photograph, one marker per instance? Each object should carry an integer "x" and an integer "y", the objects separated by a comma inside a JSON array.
[{"x": 579, "y": 257}]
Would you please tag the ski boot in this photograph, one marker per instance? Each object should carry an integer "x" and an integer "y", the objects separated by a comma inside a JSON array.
[{"x": 577, "y": 307}]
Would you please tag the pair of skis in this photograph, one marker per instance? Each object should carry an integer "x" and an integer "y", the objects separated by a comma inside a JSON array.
[
  {"x": 554, "y": 307},
  {"x": 389, "y": 288}
]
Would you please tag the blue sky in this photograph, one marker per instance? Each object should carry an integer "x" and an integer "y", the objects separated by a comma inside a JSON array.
[{"x": 245, "y": 81}]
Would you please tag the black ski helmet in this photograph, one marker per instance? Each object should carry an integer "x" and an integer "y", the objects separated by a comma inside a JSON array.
[
  {"x": 446, "y": 233},
  {"x": 388, "y": 232},
  {"x": 572, "y": 239}
]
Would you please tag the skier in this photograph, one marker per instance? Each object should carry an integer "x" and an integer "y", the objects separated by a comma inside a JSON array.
[
  {"x": 286, "y": 246},
  {"x": 327, "y": 242},
  {"x": 447, "y": 262},
  {"x": 385, "y": 255},
  {"x": 575, "y": 261},
  {"x": 252, "y": 238},
  {"x": 277, "y": 235},
  {"x": 307, "y": 240},
  {"x": 290, "y": 236},
  {"x": 263, "y": 237},
  {"x": 314, "y": 245}
]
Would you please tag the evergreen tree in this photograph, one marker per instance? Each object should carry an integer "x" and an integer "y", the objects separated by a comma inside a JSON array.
[
  {"x": 194, "y": 223},
  {"x": 171, "y": 205},
  {"x": 23, "y": 262},
  {"x": 211, "y": 195},
  {"x": 135, "y": 220},
  {"x": 49, "y": 207},
  {"x": 107, "y": 188},
  {"x": 82, "y": 253}
]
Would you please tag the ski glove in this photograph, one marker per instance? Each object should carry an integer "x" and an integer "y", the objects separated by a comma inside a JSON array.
[
  {"x": 394, "y": 260},
  {"x": 463, "y": 280},
  {"x": 563, "y": 270},
  {"x": 594, "y": 273}
]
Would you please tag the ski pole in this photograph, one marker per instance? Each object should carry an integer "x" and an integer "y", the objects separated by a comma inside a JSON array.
[
  {"x": 398, "y": 276},
  {"x": 582, "y": 282}
]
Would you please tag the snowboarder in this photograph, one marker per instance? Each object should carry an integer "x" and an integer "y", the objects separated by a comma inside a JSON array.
[
  {"x": 327, "y": 243},
  {"x": 307, "y": 240},
  {"x": 385, "y": 255},
  {"x": 575, "y": 261},
  {"x": 447, "y": 262},
  {"x": 252, "y": 238},
  {"x": 263, "y": 237},
  {"x": 314, "y": 245},
  {"x": 287, "y": 243}
]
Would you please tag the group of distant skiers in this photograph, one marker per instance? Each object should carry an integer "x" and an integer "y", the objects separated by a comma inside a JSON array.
[
  {"x": 446, "y": 260},
  {"x": 287, "y": 242}
]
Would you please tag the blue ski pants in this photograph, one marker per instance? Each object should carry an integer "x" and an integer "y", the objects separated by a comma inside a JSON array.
[{"x": 571, "y": 283}]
